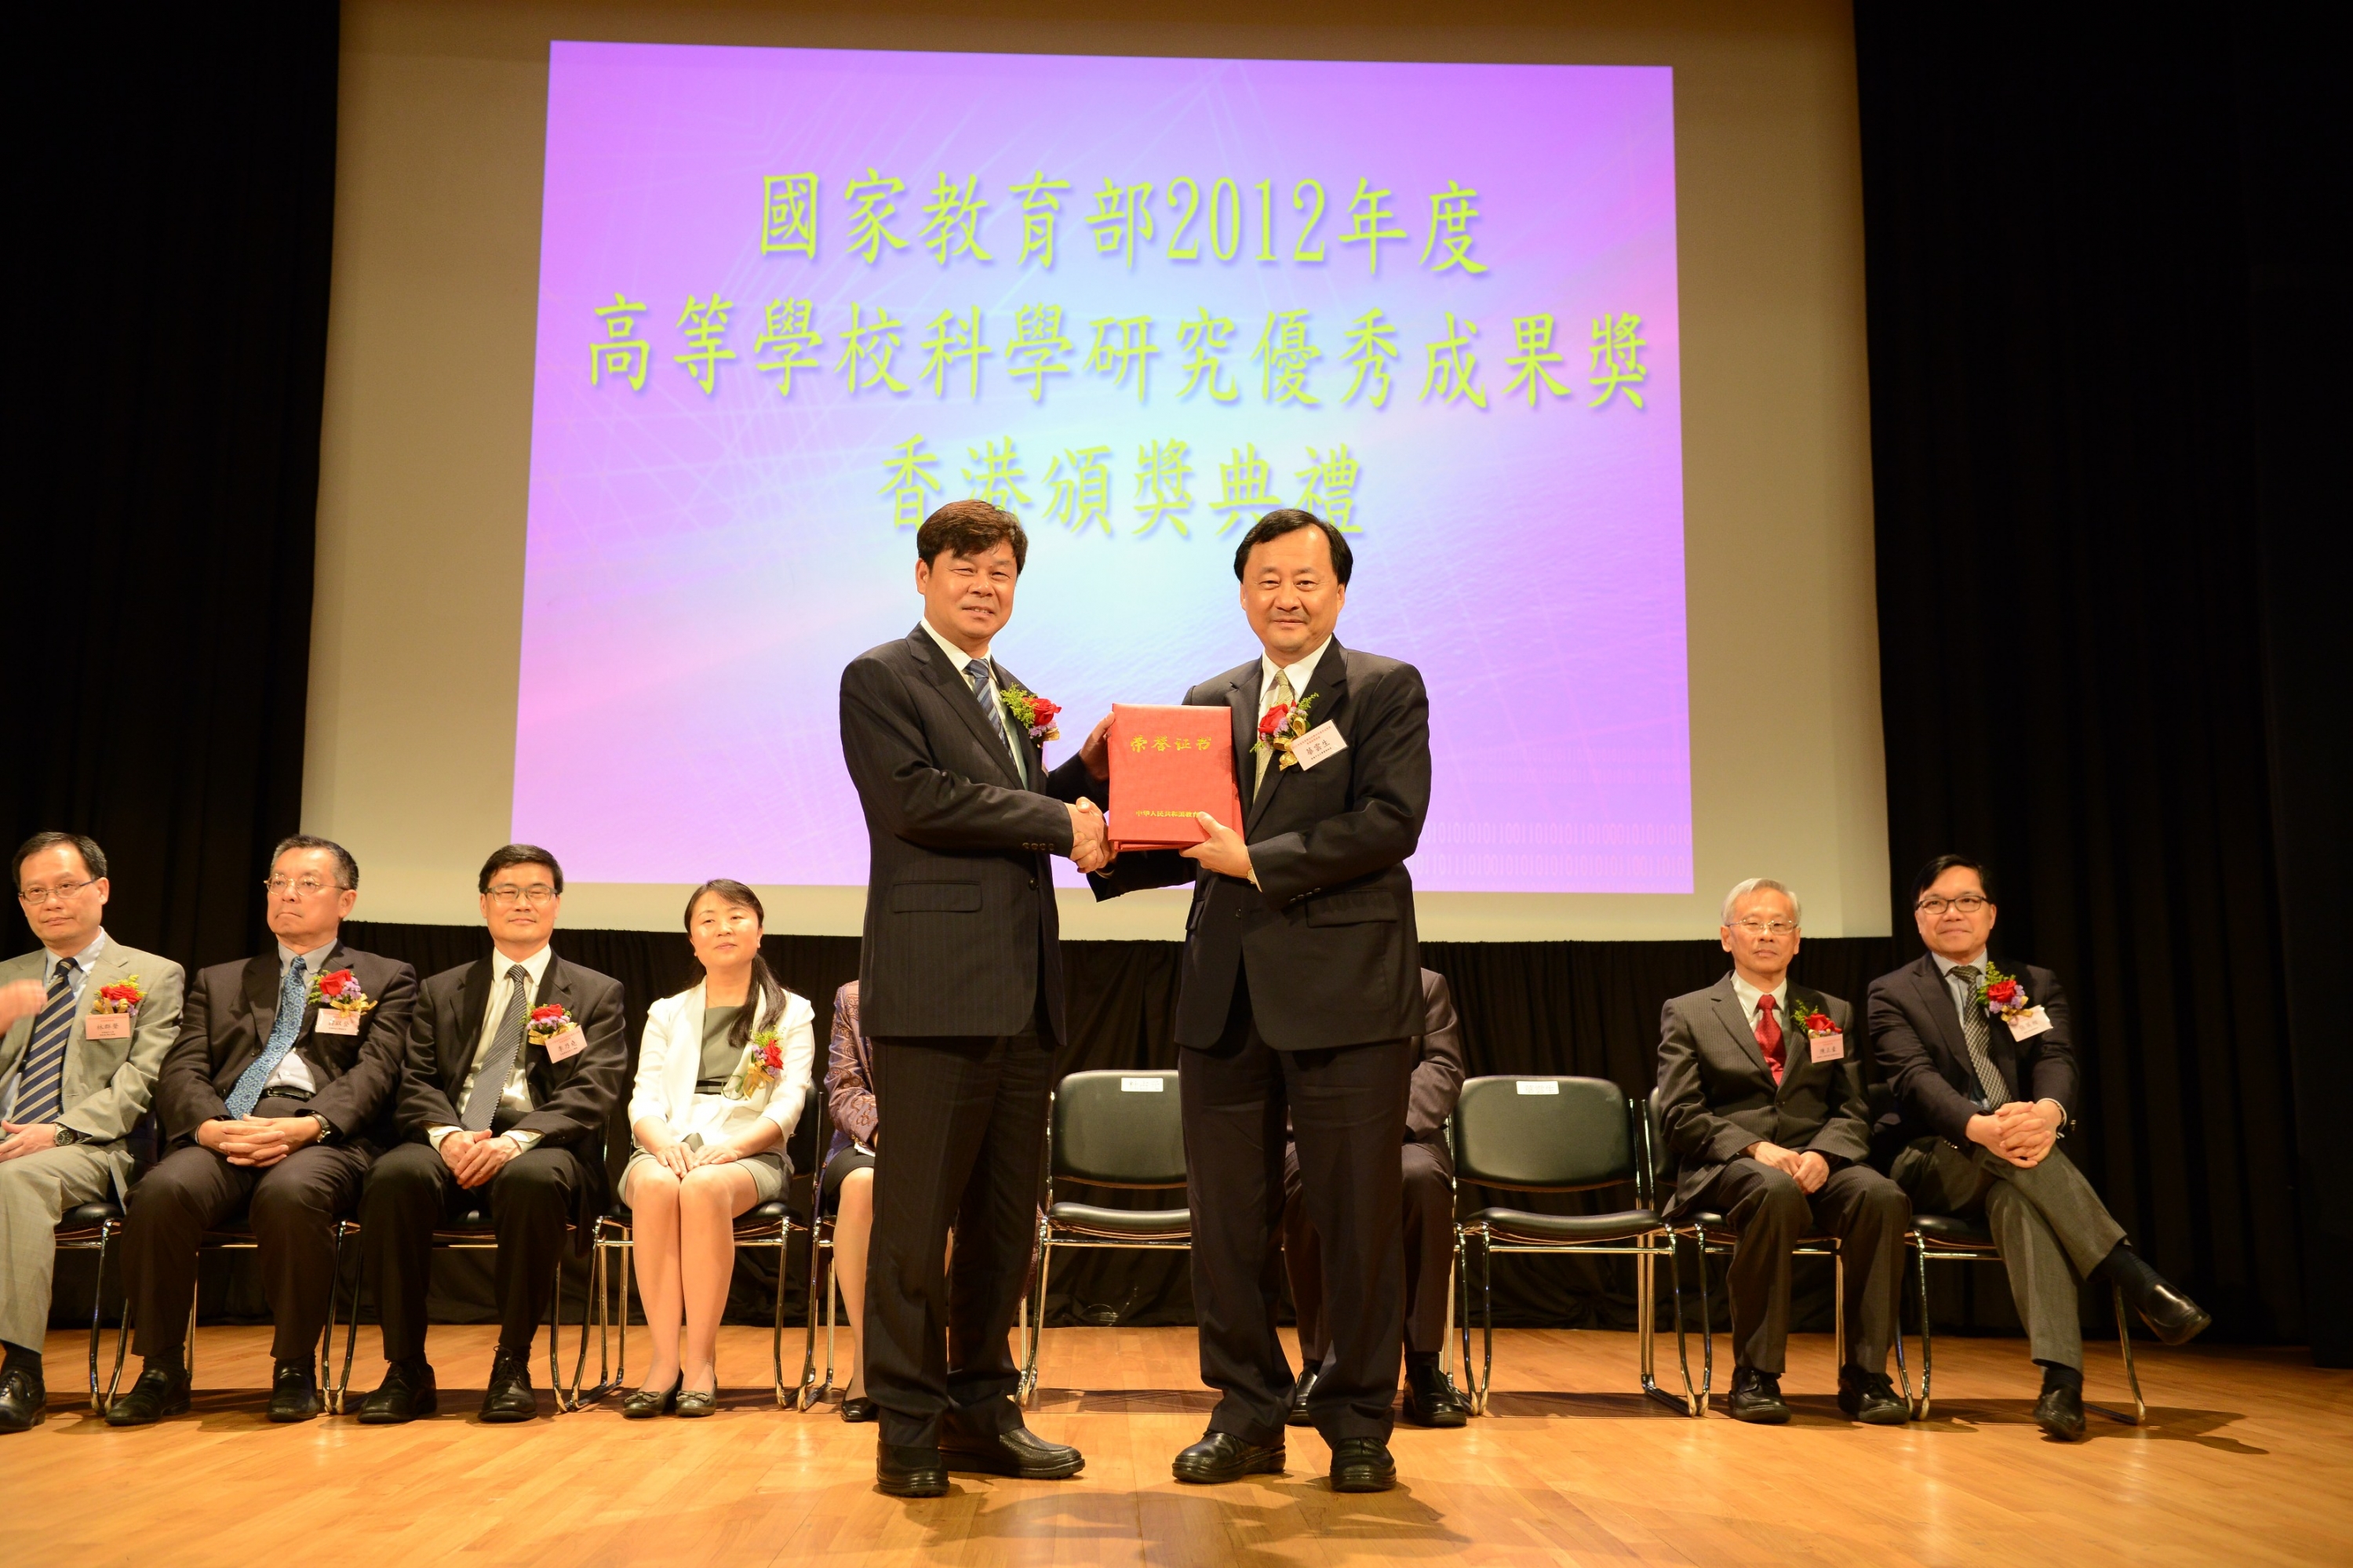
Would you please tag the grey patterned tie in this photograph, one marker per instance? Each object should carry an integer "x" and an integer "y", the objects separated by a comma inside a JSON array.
[
  {"x": 1975, "y": 1031},
  {"x": 979, "y": 674},
  {"x": 499, "y": 1061},
  {"x": 40, "y": 1092},
  {"x": 1283, "y": 695},
  {"x": 293, "y": 1001}
]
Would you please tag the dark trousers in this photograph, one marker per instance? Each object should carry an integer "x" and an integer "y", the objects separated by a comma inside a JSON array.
[
  {"x": 1864, "y": 1210},
  {"x": 291, "y": 1207},
  {"x": 411, "y": 1191},
  {"x": 1428, "y": 1256},
  {"x": 1347, "y": 1108},
  {"x": 963, "y": 1128}
]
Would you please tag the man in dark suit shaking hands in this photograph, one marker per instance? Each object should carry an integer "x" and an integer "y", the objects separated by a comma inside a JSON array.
[
  {"x": 960, "y": 983},
  {"x": 1981, "y": 1059},
  {"x": 1302, "y": 992}
]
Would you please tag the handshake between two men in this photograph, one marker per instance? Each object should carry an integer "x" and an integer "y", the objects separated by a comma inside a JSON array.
[{"x": 1222, "y": 849}]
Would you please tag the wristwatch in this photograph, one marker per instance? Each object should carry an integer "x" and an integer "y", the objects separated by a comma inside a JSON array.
[
  {"x": 66, "y": 1136},
  {"x": 326, "y": 1128}
]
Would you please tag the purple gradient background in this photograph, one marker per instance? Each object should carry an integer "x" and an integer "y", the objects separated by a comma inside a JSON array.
[{"x": 700, "y": 568}]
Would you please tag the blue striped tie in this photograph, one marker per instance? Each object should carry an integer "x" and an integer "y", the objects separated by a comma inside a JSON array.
[
  {"x": 980, "y": 675},
  {"x": 293, "y": 1001},
  {"x": 40, "y": 1093}
]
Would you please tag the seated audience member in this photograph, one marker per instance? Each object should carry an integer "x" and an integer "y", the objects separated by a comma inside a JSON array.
[
  {"x": 721, "y": 1079},
  {"x": 512, "y": 1067},
  {"x": 1430, "y": 1399},
  {"x": 1761, "y": 1098},
  {"x": 275, "y": 1097},
  {"x": 84, "y": 1024},
  {"x": 849, "y": 1181},
  {"x": 1982, "y": 1064}
]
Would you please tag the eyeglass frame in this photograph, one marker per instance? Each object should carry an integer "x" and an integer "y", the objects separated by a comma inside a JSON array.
[
  {"x": 309, "y": 887},
  {"x": 507, "y": 896},
  {"x": 1936, "y": 903},
  {"x": 33, "y": 897},
  {"x": 1756, "y": 926}
]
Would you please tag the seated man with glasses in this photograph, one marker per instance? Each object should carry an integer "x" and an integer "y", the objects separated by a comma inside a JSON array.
[
  {"x": 1982, "y": 1064},
  {"x": 273, "y": 1101},
  {"x": 513, "y": 1072},
  {"x": 84, "y": 1024},
  {"x": 1761, "y": 1098}
]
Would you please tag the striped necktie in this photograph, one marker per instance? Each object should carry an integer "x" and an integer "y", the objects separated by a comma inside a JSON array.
[
  {"x": 499, "y": 1057},
  {"x": 979, "y": 675},
  {"x": 40, "y": 1092},
  {"x": 293, "y": 1001},
  {"x": 1283, "y": 696},
  {"x": 1973, "y": 1030}
]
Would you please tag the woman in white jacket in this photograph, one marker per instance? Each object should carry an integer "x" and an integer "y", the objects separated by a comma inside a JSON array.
[{"x": 720, "y": 1080}]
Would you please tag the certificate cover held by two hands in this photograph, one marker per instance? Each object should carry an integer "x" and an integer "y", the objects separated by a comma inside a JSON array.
[{"x": 1166, "y": 764}]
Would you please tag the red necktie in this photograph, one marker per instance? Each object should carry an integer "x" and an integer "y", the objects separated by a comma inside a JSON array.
[{"x": 1769, "y": 1035}]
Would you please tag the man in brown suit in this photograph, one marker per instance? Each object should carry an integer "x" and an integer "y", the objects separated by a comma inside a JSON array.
[
  {"x": 1430, "y": 1399},
  {"x": 1760, "y": 1096},
  {"x": 273, "y": 1097}
]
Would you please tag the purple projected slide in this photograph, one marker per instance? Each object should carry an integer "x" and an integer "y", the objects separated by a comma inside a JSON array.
[{"x": 792, "y": 299}]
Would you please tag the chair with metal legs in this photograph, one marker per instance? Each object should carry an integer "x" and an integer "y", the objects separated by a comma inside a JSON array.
[
  {"x": 1120, "y": 1130},
  {"x": 92, "y": 1227},
  {"x": 1554, "y": 1135},
  {"x": 1947, "y": 1239},
  {"x": 1710, "y": 1234}
]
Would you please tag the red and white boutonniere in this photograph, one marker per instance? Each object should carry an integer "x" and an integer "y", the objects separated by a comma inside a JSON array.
[
  {"x": 2001, "y": 995},
  {"x": 1818, "y": 1021},
  {"x": 1032, "y": 713},
  {"x": 340, "y": 991},
  {"x": 549, "y": 1022},
  {"x": 1279, "y": 727},
  {"x": 123, "y": 996},
  {"x": 762, "y": 1064}
]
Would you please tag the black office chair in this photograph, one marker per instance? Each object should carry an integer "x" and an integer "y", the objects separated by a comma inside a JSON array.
[
  {"x": 1110, "y": 1130},
  {"x": 1552, "y": 1135},
  {"x": 92, "y": 1227},
  {"x": 1946, "y": 1239}
]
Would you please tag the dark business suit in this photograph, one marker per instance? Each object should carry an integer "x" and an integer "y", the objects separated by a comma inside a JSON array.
[
  {"x": 2049, "y": 1225},
  {"x": 225, "y": 1024},
  {"x": 1303, "y": 995},
  {"x": 1716, "y": 1096},
  {"x": 560, "y": 1179},
  {"x": 960, "y": 982},
  {"x": 1426, "y": 1168}
]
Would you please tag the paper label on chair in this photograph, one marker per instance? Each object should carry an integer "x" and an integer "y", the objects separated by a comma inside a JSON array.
[
  {"x": 1142, "y": 1085},
  {"x": 108, "y": 1027},
  {"x": 2032, "y": 1021},
  {"x": 1830, "y": 1047},
  {"x": 1538, "y": 1086},
  {"x": 567, "y": 1044},
  {"x": 335, "y": 1021}
]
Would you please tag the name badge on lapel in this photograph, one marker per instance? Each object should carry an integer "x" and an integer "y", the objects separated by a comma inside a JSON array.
[
  {"x": 107, "y": 1027},
  {"x": 567, "y": 1045},
  {"x": 1322, "y": 741},
  {"x": 335, "y": 1021},
  {"x": 1830, "y": 1047},
  {"x": 2026, "y": 1024}
]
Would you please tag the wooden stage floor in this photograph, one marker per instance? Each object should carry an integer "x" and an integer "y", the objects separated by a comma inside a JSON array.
[{"x": 2246, "y": 1460}]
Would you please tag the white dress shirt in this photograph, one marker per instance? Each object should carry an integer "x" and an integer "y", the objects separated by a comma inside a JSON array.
[
  {"x": 292, "y": 1071},
  {"x": 1300, "y": 674},
  {"x": 516, "y": 1100},
  {"x": 958, "y": 659},
  {"x": 1750, "y": 994}
]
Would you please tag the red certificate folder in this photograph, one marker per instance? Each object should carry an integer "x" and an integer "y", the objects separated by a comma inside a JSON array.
[{"x": 1166, "y": 764}]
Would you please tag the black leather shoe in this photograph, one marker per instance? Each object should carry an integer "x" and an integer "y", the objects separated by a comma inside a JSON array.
[
  {"x": 1362, "y": 1465},
  {"x": 24, "y": 1402},
  {"x": 2060, "y": 1412},
  {"x": 857, "y": 1408},
  {"x": 406, "y": 1393},
  {"x": 294, "y": 1392},
  {"x": 1430, "y": 1399},
  {"x": 509, "y": 1397},
  {"x": 1222, "y": 1457},
  {"x": 1869, "y": 1397},
  {"x": 2172, "y": 1317},
  {"x": 1757, "y": 1396},
  {"x": 644, "y": 1403},
  {"x": 160, "y": 1392},
  {"x": 1020, "y": 1452},
  {"x": 1296, "y": 1413},
  {"x": 910, "y": 1471}
]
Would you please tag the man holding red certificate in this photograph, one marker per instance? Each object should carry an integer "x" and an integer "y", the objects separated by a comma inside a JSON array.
[{"x": 1301, "y": 993}]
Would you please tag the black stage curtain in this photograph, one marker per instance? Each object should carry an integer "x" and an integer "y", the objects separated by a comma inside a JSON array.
[{"x": 2092, "y": 424}]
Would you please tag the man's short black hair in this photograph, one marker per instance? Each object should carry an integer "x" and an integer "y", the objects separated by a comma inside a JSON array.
[
  {"x": 508, "y": 855},
  {"x": 1944, "y": 863},
  {"x": 347, "y": 870},
  {"x": 93, "y": 858},
  {"x": 971, "y": 528},
  {"x": 1288, "y": 520}
]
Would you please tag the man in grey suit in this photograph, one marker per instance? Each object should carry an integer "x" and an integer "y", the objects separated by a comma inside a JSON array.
[
  {"x": 84, "y": 1024},
  {"x": 1761, "y": 1097},
  {"x": 1982, "y": 1064},
  {"x": 960, "y": 984}
]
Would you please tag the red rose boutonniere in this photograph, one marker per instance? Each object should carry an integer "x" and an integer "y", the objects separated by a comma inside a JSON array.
[
  {"x": 340, "y": 991},
  {"x": 2001, "y": 994},
  {"x": 1819, "y": 1023},
  {"x": 1279, "y": 727},
  {"x": 1032, "y": 713},
  {"x": 123, "y": 996},
  {"x": 763, "y": 1066},
  {"x": 547, "y": 1023}
]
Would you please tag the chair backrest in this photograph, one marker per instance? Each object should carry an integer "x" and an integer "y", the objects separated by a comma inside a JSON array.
[
  {"x": 1544, "y": 1135},
  {"x": 1119, "y": 1130}
]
